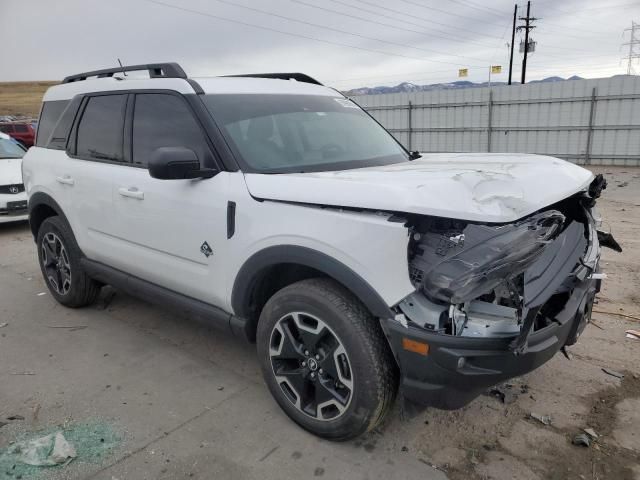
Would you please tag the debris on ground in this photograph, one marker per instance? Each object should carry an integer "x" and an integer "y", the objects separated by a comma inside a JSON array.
[
  {"x": 23, "y": 373},
  {"x": 506, "y": 392},
  {"x": 544, "y": 419},
  {"x": 613, "y": 373},
  {"x": 582, "y": 439},
  {"x": 33, "y": 455},
  {"x": 47, "y": 451},
  {"x": 71, "y": 328},
  {"x": 2, "y": 325},
  {"x": 591, "y": 432},
  {"x": 105, "y": 301},
  {"x": 15, "y": 417},
  {"x": 633, "y": 334}
]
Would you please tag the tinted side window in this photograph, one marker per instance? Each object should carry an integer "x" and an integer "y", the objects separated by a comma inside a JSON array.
[
  {"x": 20, "y": 128},
  {"x": 162, "y": 120},
  {"x": 101, "y": 127},
  {"x": 49, "y": 116},
  {"x": 6, "y": 128}
]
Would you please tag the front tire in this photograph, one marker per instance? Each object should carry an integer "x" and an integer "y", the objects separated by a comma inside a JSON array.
[
  {"x": 325, "y": 359},
  {"x": 59, "y": 257}
]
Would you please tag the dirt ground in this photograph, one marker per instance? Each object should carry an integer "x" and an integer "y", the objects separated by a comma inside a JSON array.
[
  {"x": 188, "y": 402},
  {"x": 22, "y": 98}
]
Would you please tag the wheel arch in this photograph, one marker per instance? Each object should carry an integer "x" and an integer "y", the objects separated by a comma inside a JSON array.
[
  {"x": 41, "y": 207},
  {"x": 271, "y": 269}
]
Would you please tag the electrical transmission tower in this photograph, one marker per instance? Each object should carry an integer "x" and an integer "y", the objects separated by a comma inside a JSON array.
[
  {"x": 634, "y": 46},
  {"x": 527, "y": 27}
]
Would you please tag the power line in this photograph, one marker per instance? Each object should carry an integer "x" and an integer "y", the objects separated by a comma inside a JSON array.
[
  {"x": 483, "y": 8},
  {"x": 410, "y": 2},
  {"x": 298, "y": 35},
  {"x": 344, "y": 14},
  {"x": 344, "y": 32},
  {"x": 403, "y": 13},
  {"x": 633, "y": 43}
]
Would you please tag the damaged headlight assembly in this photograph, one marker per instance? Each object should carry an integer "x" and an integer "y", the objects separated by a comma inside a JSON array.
[{"x": 470, "y": 278}]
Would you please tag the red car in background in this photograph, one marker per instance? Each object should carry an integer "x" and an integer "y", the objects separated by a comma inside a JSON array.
[{"x": 22, "y": 132}]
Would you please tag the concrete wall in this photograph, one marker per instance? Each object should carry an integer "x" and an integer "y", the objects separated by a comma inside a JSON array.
[{"x": 593, "y": 122}]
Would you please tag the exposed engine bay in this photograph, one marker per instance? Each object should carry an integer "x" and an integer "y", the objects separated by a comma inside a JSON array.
[{"x": 505, "y": 280}]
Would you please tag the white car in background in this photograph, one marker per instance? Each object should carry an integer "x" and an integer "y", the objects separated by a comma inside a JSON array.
[{"x": 13, "y": 199}]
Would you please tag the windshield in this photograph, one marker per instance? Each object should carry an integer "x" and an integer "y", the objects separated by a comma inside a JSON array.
[
  {"x": 301, "y": 133},
  {"x": 10, "y": 149}
]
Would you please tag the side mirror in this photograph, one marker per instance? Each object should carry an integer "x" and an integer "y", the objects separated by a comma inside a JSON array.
[{"x": 175, "y": 163}]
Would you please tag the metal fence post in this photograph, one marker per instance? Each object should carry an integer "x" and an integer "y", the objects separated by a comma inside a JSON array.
[
  {"x": 490, "y": 106},
  {"x": 409, "y": 125},
  {"x": 592, "y": 114}
]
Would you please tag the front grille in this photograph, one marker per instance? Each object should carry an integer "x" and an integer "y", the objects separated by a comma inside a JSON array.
[
  {"x": 14, "y": 208},
  {"x": 17, "y": 188}
]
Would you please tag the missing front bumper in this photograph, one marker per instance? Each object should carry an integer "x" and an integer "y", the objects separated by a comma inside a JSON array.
[{"x": 458, "y": 369}]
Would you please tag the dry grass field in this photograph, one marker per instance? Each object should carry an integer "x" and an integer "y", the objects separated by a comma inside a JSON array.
[{"x": 22, "y": 98}]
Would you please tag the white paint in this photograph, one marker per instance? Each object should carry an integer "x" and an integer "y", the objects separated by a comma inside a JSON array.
[
  {"x": 158, "y": 238},
  {"x": 11, "y": 174},
  {"x": 212, "y": 85},
  {"x": 67, "y": 91},
  {"x": 473, "y": 186}
]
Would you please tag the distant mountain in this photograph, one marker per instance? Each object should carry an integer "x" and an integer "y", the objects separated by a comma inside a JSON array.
[{"x": 412, "y": 87}]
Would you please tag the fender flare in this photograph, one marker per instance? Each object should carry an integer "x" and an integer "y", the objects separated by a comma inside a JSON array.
[
  {"x": 38, "y": 199},
  {"x": 250, "y": 272}
]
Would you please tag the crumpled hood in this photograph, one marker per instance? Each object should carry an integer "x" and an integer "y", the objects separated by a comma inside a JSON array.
[
  {"x": 481, "y": 187},
  {"x": 10, "y": 171}
]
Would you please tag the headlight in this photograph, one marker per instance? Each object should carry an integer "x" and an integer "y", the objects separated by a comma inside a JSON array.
[{"x": 456, "y": 266}]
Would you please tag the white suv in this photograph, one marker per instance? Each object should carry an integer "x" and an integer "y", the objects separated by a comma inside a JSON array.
[{"x": 277, "y": 209}]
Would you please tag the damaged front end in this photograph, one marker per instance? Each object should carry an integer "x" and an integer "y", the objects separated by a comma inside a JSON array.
[{"x": 495, "y": 301}]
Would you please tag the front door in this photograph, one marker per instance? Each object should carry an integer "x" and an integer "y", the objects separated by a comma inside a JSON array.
[{"x": 170, "y": 232}]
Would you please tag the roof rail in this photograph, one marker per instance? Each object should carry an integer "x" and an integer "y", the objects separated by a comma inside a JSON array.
[
  {"x": 156, "y": 70},
  {"x": 299, "y": 77}
]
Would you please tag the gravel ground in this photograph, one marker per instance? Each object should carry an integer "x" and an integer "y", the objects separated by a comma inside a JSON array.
[{"x": 187, "y": 402}]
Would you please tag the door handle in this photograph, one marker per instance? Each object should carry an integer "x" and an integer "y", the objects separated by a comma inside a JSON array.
[
  {"x": 66, "y": 180},
  {"x": 131, "y": 192}
]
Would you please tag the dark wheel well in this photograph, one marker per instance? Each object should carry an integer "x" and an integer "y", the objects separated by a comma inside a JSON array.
[
  {"x": 269, "y": 281},
  {"x": 39, "y": 214}
]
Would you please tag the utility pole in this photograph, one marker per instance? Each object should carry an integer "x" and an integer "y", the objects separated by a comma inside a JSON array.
[
  {"x": 513, "y": 39},
  {"x": 633, "y": 42},
  {"x": 528, "y": 20}
]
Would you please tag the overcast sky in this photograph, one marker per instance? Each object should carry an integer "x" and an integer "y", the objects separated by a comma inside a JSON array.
[{"x": 344, "y": 43}]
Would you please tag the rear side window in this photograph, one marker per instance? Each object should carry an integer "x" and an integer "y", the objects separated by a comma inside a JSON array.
[
  {"x": 101, "y": 127},
  {"x": 162, "y": 120},
  {"x": 49, "y": 116},
  {"x": 6, "y": 128},
  {"x": 20, "y": 128}
]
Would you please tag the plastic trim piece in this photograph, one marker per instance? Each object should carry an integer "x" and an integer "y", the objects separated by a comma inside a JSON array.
[
  {"x": 39, "y": 199},
  {"x": 298, "y": 77},
  {"x": 205, "y": 313},
  {"x": 156, "y": 70},
  {"x": 291, "y": 254}
]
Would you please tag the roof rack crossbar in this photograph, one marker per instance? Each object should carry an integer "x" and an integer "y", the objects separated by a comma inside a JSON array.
[
  {"x": 299, "y": 77},
  {"x": 156, "y": 70}
]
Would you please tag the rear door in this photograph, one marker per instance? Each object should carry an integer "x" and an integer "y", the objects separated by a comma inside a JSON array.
[
  {"x": 95, "y": 152},
  {"x": 170, "y": 232}
]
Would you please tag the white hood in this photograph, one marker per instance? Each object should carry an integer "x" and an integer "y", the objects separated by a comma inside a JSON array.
[
  {"x": 10, "y": 171},
  {"x": 469, "y": 186}
]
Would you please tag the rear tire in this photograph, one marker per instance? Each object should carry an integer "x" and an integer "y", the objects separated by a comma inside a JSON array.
[
  {"x": 326, "y": 360},
  {"x": 59, "y": 257}
]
